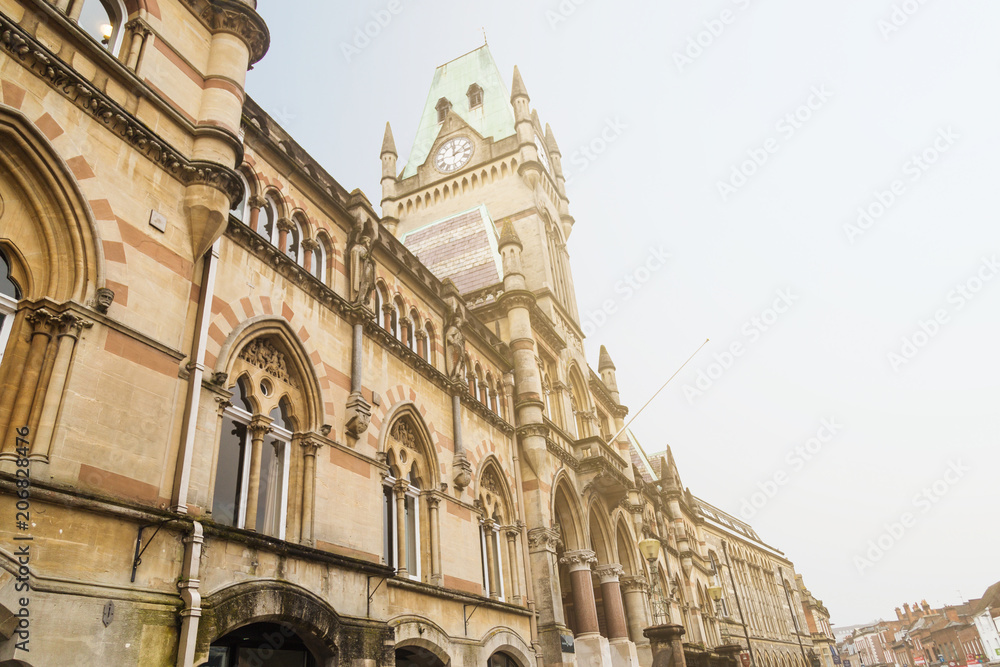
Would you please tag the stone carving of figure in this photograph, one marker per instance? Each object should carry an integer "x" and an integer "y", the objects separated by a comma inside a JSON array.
[
  {"x": 362, "y": 267},
  {"x": 454, "y": 346}
]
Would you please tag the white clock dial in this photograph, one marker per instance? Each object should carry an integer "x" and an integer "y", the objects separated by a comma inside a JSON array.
[
  {"x": 543, "y": 155},
  {"x": 453, "y": 155}
]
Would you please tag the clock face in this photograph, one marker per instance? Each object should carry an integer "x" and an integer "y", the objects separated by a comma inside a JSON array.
[
  {"x": 542, "y": 153},
  {"x": 453, "y": 155}
]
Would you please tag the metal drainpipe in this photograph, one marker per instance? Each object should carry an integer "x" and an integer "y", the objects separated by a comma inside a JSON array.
[
  {"x": 182, "y": 476},
  {"x": 189, "y": 585}
]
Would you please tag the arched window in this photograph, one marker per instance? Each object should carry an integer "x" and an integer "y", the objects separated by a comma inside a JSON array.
[
  {"x": 251, "y": 482},
  {"x": 10, "y": 294},
  {"x": 475, "y": 95},
  {"x": 103, "y": 20},
  {"x": 319, "y": 258},
  {"x": 293, "y": 242},
  {"x": 429, "y": 343},
  {"x": 501, "y": 659},
  {"x": 580, "y": 404},
  {"x": 241, "y": 210},
  {"x": 412, "y": 326},
  {"x": 409, "y": 472},
  {"x": 269, "y": 228},
  {"x": 395, "y": 326},
  {"x": 493, "y": 501},
  {"x": 443, "y": 107}
]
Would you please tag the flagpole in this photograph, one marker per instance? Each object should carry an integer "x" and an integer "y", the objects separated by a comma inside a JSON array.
[{"x": 623, "y": 429}]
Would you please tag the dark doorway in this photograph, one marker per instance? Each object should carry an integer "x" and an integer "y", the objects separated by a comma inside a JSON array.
[
  {"x": 501, "y": 659},
  {"x": 412, "y": 656},
  {"x": 261, "y": 645}
]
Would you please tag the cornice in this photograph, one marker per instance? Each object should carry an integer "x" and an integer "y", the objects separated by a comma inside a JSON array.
[{"x": 74, "y": 87}]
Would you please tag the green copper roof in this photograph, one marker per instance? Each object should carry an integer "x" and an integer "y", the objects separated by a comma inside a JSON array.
[{"x": 494, "y": 118}]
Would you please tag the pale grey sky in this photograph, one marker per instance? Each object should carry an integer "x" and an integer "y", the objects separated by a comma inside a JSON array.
[{"x": 884, "y": 105}]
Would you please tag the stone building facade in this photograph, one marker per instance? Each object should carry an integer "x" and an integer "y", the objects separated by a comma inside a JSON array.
[{"x": 250, "y": 420}]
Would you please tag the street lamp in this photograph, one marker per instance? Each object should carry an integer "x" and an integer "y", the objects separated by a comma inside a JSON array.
[{"x": 650, "y": 550}]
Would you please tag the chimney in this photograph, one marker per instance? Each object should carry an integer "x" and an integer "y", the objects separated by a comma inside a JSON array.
[
  {"x": 899, "y": 614},
  {"x": 909, "y": 616},
  {"x": 926, "y": 607}
]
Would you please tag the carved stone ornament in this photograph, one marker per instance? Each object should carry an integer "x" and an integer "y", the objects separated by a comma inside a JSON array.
[
  {"x": 581, "y": 558},
  {"x": 454, "y": 342},
  {"x": 634, "y": 583},
  {"x": 264, "y": 355},
  {"x": 237, "y": 18},
  {"x": 544, "y": 538},
  {"x": 402, "y": 431},
  {"x": 463, "y": 472},
  {"x": 359, "y": 415},
  {"x": 103, "y": 299},
  {"x": 609, "y": 572},
  {"x": 78, "y": 90},
  {"x": 361, "y": 264}
]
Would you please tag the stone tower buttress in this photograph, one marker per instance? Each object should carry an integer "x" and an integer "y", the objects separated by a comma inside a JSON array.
[
  {"x": 524, "y": 126},
  {"x": 389, "y": 179}
]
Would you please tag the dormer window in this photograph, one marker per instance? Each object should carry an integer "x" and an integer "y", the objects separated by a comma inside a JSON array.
[
  {"x": 475, "y": 94},
  {"x": 443, "y": 107}
]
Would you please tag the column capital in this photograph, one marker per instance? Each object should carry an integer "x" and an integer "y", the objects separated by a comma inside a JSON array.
[
  {"x": 285, "y": 225},
  {"x": 433, "y": 501},
  {"x": 310, "y": 446},
  {"x": 41, "y": 320},
  {"x": 138, "y": 27},
  {"x": 609, "y": 573},
  {"x": 259, "y": 426},
  {"x": 511, "y": 532},
  {"x": 580, "y": 559},
  {"x": 546, "y": 539},
  {"x": 310, "y": 244},
  {"x": 256, "y": 201},
  {"x": 400, "y": 487},
  {"x": 634, "y": 583}
]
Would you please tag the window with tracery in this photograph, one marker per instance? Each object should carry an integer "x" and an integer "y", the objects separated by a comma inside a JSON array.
[
  {"x": 408, "y": 473},
  {"x": 103, "y": 20},
  {"x": 252, "y": 467},
  {"x": 10, "y": 294},
  {"x": 494, "y": 519}
]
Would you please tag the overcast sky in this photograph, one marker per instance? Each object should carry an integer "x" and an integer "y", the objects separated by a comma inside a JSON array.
[{"x": 742, "y": 137}]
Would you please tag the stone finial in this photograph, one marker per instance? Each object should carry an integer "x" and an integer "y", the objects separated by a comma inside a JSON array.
[
  {"x": 388, "y": 143},
  {"x": 517, "y": 87},
  {"x": 508, "y": 235},
  {"x": 605, "y": 363},
  {"x": 550, "y": 141}
]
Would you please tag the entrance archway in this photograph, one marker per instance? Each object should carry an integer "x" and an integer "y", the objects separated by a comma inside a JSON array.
[
  {"x": 415, "y": 656},
  {"x": 501, "y": 659},
  {"x": 261, "y": 645}
]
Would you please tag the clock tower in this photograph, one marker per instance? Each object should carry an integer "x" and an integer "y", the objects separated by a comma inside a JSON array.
[{"x": 480, "y": 156}]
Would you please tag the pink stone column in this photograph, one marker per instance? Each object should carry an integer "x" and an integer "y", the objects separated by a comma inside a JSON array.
[
  {"x": 614, "y": 609},
  {"x": 584, "y": 604}
]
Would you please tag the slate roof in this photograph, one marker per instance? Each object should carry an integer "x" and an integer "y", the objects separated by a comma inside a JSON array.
[{"x": 462, "y": 247}]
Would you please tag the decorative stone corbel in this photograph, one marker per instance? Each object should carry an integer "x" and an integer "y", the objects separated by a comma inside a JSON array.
[
  {"x": 359, "y": 414},
  {"x": 103, "y": 299}
]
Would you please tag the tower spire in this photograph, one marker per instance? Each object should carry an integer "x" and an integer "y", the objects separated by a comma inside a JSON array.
[
  {"x": 388, "y": 143},
  {"x": 517, "y": 88}
]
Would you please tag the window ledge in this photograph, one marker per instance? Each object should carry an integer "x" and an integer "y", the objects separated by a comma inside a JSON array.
[{"x": 457, "y": 596}]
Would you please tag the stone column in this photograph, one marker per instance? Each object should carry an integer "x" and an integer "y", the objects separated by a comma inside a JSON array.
[
  {"x": 387, "y": 317},
  {"x": 284, "y": 226},
  {"x": 432, "y": 509},
  {"x": 256, "y": 203},
  {"x": 404, "y": 331},
  {"x": 666, "y": 644},
  {"x": 358, "y": 412},
  {"x": 259, "y": 427},
  {"x": 515, "y": 575},
  {"x": 309, "y": 449},
  {"x": 634, "y": 591},
  {"x": 399, "y": 489},
  {"x": 70, "y": 328},
  {"x": 461, "y": 468},
  {"x": 584, "y": 604},
  {"x": 308, "y": 246},
  {"x": 41, "y": 322},
  {"x": 614, "y": 610},
  {"x": 491, "y": 562},
  {"x": 140, "y": 33},
  {"x": 422, "y": 344}
]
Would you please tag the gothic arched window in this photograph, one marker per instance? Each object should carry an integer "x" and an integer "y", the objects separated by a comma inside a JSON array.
[
  {"x": 251, "y": 480},
  {"x": 10, "y": 294},
  {"x": 270, "y": 219},
  {"x": 493, "y": 524},
  {"x": 409, "y": 472},
  {"x": 241, "y": 210},
  {"x": 319, "y": 258},
  {"x": 103, "y": 20}
]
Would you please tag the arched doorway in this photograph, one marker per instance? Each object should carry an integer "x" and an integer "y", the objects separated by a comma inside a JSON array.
[
  {"x": 414, "y": 656},
  {"x": 501, "y": 659},
  {"x": 261, "y": 645}
]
